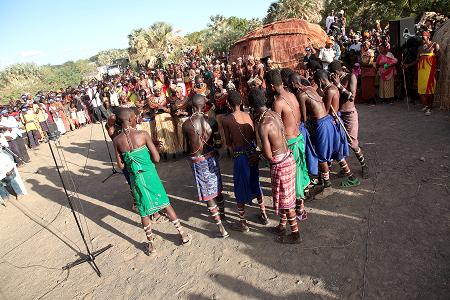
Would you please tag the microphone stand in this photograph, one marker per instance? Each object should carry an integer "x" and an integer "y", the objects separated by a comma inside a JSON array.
[
  {"x": 90, "y": 256},
  {"x": 113, "y": 170}
]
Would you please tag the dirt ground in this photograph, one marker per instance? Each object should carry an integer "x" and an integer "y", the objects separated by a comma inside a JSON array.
[{"x": 386, "y": 239}]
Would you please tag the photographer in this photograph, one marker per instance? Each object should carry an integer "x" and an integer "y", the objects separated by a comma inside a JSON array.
[
  {"x": 10, "y": 179},
  {"x": 13, "y": 135}
]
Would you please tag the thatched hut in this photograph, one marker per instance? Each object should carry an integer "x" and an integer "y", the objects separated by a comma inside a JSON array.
[
  {"x": 442, "y": 37},
  {"x": 284, "y": 41}
]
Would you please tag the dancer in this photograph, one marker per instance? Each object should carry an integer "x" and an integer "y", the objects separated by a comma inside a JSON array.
[
  {"x": 328, "y": 138},
  {"x": 347, "y": 83},
  {"x": 282, "y": 165},
  {"x": 136, "y": 151},
  {"x": 198, "y": 134},
  {"x": 329, "y": 90},
  {"x": 286, "y": 105},
  {"x": 310, "y": 154},
  {"x": 240, "y": 137}
]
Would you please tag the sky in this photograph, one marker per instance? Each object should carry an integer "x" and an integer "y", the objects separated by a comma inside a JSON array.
[{"x": 53, "y": 32}]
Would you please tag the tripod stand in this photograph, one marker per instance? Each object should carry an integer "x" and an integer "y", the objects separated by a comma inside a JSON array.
[
  {"x": 114, "y": 171},
  {"x": 90, "y": 257}
]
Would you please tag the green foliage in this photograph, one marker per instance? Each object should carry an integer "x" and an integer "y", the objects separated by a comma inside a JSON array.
[
  {"x": 20, "y": 78},
  {"x": 158, "y": 43},
  {"x": 221, "y": 33},
  {"x": 107, "y": 57},
  {"x": 362, "y": 15},
  {"x": 308, "y": 10}
]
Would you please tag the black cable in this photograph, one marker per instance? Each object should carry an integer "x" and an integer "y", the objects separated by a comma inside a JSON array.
[
  {"x": 76, "y": 194},
  {"x": 56, "y": 285}
]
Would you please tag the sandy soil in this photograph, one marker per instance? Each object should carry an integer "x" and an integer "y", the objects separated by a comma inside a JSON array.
[{"x": 386, "y": 239}]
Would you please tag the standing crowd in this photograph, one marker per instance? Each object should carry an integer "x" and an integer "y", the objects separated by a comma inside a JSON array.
[{"x": 299, "y": 123}]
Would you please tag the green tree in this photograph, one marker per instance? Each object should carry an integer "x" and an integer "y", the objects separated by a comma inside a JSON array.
[
  {"x": 107, "y": 57},
  {"x": 362, "y": 15},
  {"x": 221, "y": 33},
  {"x": 309, "y": 10},
  {"x": 22, "y": 78},
  {"x": 158, "y": 43}
]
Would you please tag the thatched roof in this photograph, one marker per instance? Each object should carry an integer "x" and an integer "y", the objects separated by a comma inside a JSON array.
[
  {"x": 442, "y": 37},
  {"x": 284, "y": 41}
]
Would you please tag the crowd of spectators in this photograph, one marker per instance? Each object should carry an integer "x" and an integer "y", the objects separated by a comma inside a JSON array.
[{"x": 160, "y": 96}]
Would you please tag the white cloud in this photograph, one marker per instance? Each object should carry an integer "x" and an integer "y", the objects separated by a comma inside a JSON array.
[{"x": 31, "y": 53}]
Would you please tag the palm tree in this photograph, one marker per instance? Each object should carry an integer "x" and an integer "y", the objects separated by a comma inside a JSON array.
[{"x": 147, "y": 46}]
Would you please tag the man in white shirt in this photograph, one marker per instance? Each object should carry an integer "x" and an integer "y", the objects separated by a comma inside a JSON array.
[
  {"x": 356, "y": 44},
  {"x": 9, "y": 175},
  {"x": 13, "y": 135},
  {"x": 327, "y": 54},
  {"x": 114, "y": 97},
  {"x": 98, "y": 109},
  {"x": 329, "y": 20}
]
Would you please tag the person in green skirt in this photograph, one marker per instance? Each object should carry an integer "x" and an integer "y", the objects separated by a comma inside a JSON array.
[
  {"x": 287, "y": 106},
  {"x": 136, "y": 152}
]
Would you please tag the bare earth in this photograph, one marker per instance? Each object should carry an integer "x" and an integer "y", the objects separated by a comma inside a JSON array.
[{"x": 386, "y": 239}]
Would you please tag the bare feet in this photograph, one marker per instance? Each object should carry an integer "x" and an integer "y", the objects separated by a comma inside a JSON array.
[
  {"x": 185, "y": 238},
  {"x": 301, "y": 214},
  {"x": 278, "y": 230},
  {"x": 264, "y": 219},
  {"x": 223, "y": 233},
  {"x": 325, "y": 192},
  {"x": 150, "y": 249},
  {"x": 242, "y": 227}
]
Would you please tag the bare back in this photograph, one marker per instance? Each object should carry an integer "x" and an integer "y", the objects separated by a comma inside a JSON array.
[
  {"x": 197, "y": 133},
  {"x": 272, "y": 135},
  {"x": 312, "y": 101},
  {"x": 331, "y": 98},
  {"x": 134, "y": 139},
  {"x": 350, "y": 82},
  {"x": 238, "y": 129},
  {"x": 286, "y": 105}
]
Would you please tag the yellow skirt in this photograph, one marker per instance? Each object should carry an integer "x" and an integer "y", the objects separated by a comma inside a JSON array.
[
  {"x": 180, "y": 136},
  {"x": 426, "y": 72},
  {"x": 165, "y": 133}
]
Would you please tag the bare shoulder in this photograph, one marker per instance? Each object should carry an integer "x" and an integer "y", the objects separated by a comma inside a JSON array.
[
  {"x": 142, "y": 133},
  {"x": 291, "y": 95},
  {"x": 247, "y": 116},
  {"x": 278, "y": 103},
  {"x": 117, "y": 138},
  {"x": 292, "y": 98},
  {"x": 185, "y": 125},
  {"x": 333, "y": 89},
  {"x": 226, "y": 119}
]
